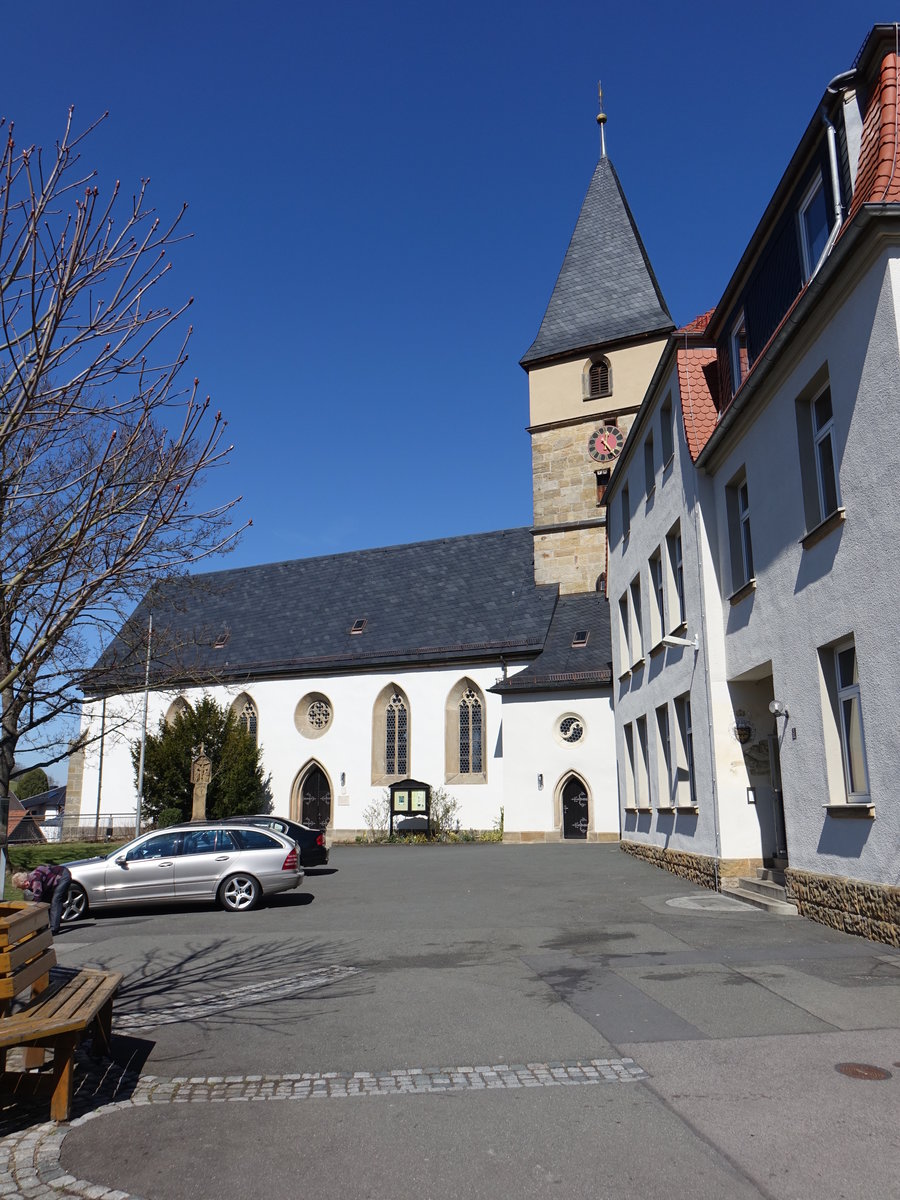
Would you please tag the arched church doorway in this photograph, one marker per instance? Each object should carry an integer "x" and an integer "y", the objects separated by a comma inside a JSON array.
[
  {"x": 575, "y": 816},
  {"x": 315, "y": 799}
]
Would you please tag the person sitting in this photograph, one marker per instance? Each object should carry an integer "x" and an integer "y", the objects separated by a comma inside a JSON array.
[{"x": 46, "y": 884}]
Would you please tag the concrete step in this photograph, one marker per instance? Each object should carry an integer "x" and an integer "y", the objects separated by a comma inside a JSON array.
[
  {"x": 769, "y": 902},
  {"x": 773, "y": 874},
  {"x": 765, "y": 887}
]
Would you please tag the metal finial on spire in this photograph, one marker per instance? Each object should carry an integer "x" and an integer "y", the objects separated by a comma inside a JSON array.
[{"x": 601, "y": 119}]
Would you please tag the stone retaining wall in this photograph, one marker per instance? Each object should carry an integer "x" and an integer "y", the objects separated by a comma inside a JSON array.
[
  {"x": 870, "y": 910},
  {"x": 698, "y": 868}
]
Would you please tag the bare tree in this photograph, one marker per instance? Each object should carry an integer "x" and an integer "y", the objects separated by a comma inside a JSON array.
[{"x": 103, "y": 451}]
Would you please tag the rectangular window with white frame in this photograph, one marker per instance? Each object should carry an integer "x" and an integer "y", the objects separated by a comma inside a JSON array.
[
  {"x": 740, "y": 355},
  {"x": 642, "y": 787},
  {"x": 816, "y": 442},
  {"x": 675, "y": 581},
  {"x": 649, "y": 466},
  {"x": 637, "y": 624},
  {"x": 624, "y": 635},
  {"x": 667, "y": 431},
  {"x": 685, "y": 779},
  {"x": 628, "y": 767},
  {"x": 815, "y": 226},
  {"x": 737, "y": 506},
  {"x": 845, "y": 743},
  {"x": 658, "y": 598},
  {"x": 664, "y": 757},
  {"x": 626, "y": 512}
]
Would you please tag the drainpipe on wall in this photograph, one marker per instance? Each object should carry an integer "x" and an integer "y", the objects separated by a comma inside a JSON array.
[{"x": 831, "y": 137}]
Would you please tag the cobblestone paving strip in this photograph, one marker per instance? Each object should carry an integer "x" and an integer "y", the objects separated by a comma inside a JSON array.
[{"x": 30, "y": 1158}]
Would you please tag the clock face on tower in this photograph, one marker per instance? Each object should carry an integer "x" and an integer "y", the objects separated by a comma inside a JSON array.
[{"x": 605, "y": 443}]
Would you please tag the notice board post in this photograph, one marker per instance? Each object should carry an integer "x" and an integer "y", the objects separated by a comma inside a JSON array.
[{"x": 411, "y": 799}]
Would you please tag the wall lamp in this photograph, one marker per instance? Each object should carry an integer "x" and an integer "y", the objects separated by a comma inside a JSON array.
[
  {"x": 671, "y": 640},
  {"x": 778, "y": 708},
  {"x": 540, "y": 782}
]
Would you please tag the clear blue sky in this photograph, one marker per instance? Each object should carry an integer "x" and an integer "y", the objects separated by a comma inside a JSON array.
[{"x": 381, "y": 197}]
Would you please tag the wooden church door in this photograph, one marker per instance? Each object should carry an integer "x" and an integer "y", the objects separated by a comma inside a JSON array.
[
  {"x": 316, "y": 805},
  {"x": 574, "y": 809}
]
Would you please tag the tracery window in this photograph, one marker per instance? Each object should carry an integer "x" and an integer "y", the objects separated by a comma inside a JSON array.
[
  {"x": 470, "y": 718},
  {"x": 396, "y": 744},
  {"x": 246, "y": 716}
]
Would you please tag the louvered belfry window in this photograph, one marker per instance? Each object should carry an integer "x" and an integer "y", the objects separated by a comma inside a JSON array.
[
  {"x": 599, "y": 379},
  {"x": 396, "y": 748},
  {"x": 470, "y": 760}
]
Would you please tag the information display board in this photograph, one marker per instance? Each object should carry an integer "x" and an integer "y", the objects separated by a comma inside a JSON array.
[{"x": 411, "y": 806}]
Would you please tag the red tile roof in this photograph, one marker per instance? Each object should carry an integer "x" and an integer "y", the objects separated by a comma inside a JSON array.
[
  {"x": 699, "y": 324},
  {"x": 698, "y": 381},
  {"x": 878, "y": 176}
]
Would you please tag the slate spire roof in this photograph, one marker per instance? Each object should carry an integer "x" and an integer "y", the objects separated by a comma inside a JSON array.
[{"x": 606, "y": 290}]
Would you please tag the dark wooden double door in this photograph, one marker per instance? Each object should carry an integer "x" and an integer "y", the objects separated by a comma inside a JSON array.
[
  {"x": 315, "y": 800},
  {"x": 575, "y": 817}
]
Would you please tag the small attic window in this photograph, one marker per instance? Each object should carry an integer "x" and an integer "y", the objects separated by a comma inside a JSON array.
[
  {"x": 358, "y": 626},
  {"x": 581, "y": 637},
  {"x": 222, "y": 640}
]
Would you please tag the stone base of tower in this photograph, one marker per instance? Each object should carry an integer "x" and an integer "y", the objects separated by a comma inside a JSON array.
[{"x": 573, "y": 558}]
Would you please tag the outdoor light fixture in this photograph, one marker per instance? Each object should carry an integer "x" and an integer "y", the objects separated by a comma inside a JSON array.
[
  {"x": 778, "y": 708},
  {"x": 671, "y": 640},
  {"x": 343, "y": 779},
  {"x": 540, "y": 783}
]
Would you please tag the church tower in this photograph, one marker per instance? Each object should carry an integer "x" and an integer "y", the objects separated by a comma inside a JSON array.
[{"x": 588, "y": 368}]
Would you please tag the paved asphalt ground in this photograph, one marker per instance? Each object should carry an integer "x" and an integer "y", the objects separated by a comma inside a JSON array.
[{"x": 457, "y": 989}]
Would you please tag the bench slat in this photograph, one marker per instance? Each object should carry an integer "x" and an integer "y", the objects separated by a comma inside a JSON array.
[
  {"x": 13, "y": 957},
  {"x": 11, "y": 985},
  {"x": 37, "y": 1024},
  {"x": 21, "y": 917}
]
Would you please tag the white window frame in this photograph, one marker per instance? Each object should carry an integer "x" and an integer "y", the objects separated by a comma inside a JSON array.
[
  {"x": 810, "y": 267},
  {"x": 642, "y": 783},
  {"x": 658, "y": 589},
  {"x": 850, "y": 693},
  {"x": 626, "y": 512},
  {"x": 675, "y": 556},
  {"x": 649, "y": 466},
  {"x": 624, "y": 634},
  {"x": 737, "y": 375},
  {"x": 686, "y": 781},
  {"x": 821, "y": 435},
  {"x": 667, "y": 430},
  {"x": 664, "y": 757},
  {"x": 743, "y": 503},
  {"x": 637, "y": 622}
]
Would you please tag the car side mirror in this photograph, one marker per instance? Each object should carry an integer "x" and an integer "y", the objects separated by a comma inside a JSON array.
[{"x": 122, "y": 860}]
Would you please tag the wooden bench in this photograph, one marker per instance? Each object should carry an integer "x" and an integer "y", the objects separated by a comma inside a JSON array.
[{"x": 63, "y": 1005}]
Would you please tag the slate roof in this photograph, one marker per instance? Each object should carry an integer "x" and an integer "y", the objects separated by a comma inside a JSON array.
[
  {"x": 606, "y": 290},
  {"x": 562, "y": 666},
  {"x": 453, "y": 599}
]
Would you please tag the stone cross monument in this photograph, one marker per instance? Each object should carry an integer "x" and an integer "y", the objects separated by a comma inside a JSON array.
[{"x": 201, "y": 774}]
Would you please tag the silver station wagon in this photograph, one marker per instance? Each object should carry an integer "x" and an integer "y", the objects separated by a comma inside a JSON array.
[{"x": 234, "y": 865}]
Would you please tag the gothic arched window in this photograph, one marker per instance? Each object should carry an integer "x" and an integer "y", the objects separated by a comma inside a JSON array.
[
  {"x": 245, "y": 713},
  {"x": 465, "y": 734},
  {"x": 396, "y": 738},
  {"x": 391, "y": 724}
]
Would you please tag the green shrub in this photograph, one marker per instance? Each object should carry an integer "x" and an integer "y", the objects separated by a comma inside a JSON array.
[{"x": 167, "y": 817}]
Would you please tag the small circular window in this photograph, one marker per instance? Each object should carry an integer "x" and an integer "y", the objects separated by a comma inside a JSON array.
[
  {"x": 570, "y": 729},
  {"x": 313, "y": 715}
]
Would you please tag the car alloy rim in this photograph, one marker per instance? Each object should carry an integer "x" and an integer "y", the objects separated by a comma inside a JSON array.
[
  {"x": 74, "y": 905},
  {"x": 240, "y": 892}
]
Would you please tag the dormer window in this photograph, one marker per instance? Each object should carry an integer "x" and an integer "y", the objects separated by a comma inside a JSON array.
[
  {"x": 740, "y": 358},
  {"x": 813, "y": 227},
  {"x": 597, "y": 380}
]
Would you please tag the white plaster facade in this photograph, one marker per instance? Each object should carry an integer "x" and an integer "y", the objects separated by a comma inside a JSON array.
[{"x": 520, "y": 741}]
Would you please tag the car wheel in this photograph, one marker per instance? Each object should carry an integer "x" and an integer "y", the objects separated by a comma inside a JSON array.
[
  {"x": 239, "y": 893},
  {"x": 76, "y": 905}
]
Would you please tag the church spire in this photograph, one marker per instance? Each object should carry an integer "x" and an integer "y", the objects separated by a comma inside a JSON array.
[{"x": 601, "y": 119}]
